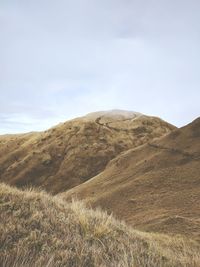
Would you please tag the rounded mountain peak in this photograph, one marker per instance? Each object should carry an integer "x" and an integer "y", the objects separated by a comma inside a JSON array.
[{"x": 115, "y": 114}]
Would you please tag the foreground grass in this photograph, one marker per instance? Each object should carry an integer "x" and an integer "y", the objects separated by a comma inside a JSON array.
[{"x": 40, "y": 230}]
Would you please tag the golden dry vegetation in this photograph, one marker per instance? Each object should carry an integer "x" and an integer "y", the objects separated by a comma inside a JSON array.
[
  {"x": 154, "y": 187},
  {"x": 136, "y": 168},
  {"x": 38, "y": 230},
  {"x": 73, "y": 152}
]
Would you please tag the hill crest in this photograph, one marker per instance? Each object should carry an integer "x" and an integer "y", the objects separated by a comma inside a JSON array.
[{"x": 75, "y": 151}]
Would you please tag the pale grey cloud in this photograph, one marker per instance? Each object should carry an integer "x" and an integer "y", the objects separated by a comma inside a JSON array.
[{"x": 61, "y": 59}]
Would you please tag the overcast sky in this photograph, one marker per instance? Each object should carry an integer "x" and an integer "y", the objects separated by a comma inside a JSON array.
[{"x": 63, "y": 58}]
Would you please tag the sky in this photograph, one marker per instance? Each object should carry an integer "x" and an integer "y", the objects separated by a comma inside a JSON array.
[{"x": 62, "y": 59}]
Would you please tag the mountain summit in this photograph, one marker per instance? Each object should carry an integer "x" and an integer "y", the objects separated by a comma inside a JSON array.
[
  {"x": 114, "y": 114},
  {"x": 75, "y": 151}
]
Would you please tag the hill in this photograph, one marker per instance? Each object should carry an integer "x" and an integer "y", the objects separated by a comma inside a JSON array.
[
  {"x": 40, "y": 230},
  {"x": 154, "y": 187},
  {"x": 73, "y": 152}
]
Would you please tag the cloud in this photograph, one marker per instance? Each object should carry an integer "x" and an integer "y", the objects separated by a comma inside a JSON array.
[{"x": 66, "y": 58}]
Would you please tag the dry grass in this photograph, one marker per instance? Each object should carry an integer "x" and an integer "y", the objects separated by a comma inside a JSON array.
[
  {"x": 73, "y": 152},
  {"x": 154, "y": 187},
  {"x": 40, "y": 230}
]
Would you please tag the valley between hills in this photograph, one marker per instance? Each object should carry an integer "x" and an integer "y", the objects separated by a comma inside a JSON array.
[{"x": 112, "y": 188}]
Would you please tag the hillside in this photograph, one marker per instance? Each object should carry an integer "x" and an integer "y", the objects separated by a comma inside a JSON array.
[
  {"x": 154, "y": 187},
  {"x": 73, "y": 152},
  {"x": 40, "y": 230}
]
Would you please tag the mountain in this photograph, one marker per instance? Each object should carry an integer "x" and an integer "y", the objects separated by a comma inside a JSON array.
[
  {"x": 38, "y": 230},
  {"x": 153, "y": 187},
  {"x": 75, "y": 151}
]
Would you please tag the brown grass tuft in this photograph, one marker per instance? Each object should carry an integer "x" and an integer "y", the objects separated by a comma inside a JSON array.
[{"x": 37, "y": 229}]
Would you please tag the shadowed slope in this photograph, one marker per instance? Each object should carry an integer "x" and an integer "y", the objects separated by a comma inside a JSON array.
[
  {"x": 73, "y": 152},
  {"x": 155, "y": 187},
  {"x": 40, "y": 230}
]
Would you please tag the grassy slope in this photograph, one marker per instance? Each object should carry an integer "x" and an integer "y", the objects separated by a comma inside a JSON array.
[
  {"x": 73, "y": 152},
  {"x": 155, "y": 187},
  {"x": 40, "y": 230}
]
